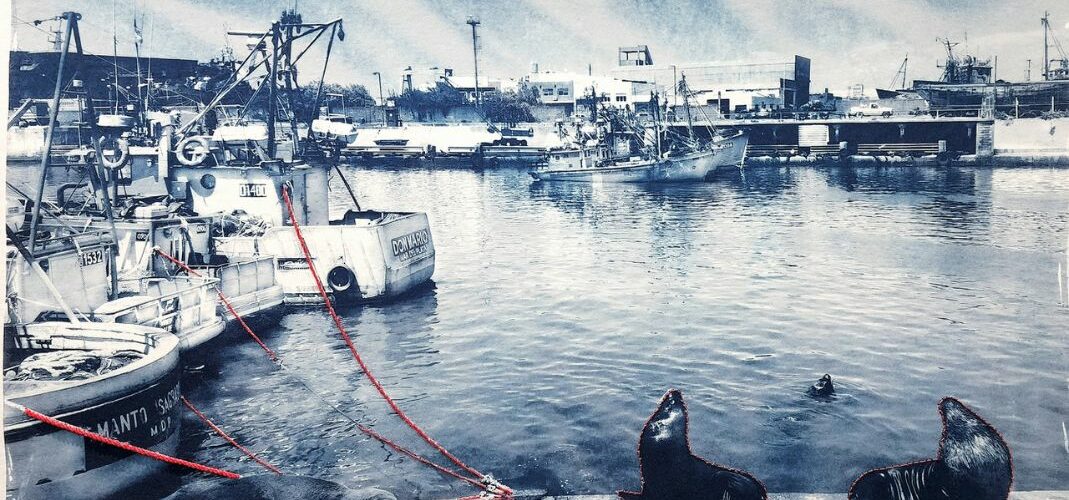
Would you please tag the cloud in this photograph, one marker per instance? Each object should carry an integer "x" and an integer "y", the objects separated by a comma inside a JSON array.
[{"x": 848, "y": 41}]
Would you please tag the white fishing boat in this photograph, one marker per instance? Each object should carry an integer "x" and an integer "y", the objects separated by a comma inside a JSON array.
[
  {"x": 78, "y": 264},
  {"x": 617, "y": 147},
  {"x": 334, "y": 127},
  {"x": 119, "y": 381},
  {"x": 240, "y": 172},
  {"x": 248, "y": 283},
  {"x": 363, "y": 255},
  {"x": 585, "y": 165},
  {"x": 213, "y": 198}
]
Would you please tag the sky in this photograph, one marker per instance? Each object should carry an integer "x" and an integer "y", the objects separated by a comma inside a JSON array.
[{"x": 849, "y": 42}]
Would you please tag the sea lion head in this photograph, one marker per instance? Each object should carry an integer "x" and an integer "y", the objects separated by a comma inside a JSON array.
[
  {"x": 666, "y": 429},
  {"x": 973, "y": 450},
  {"x": 823, "y": 387}
]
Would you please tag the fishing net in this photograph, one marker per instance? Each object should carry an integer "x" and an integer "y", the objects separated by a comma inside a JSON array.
[{"x": 70, "y": 365}]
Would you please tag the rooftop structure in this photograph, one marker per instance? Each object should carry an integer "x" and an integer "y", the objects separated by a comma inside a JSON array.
[{"x": 638, "y": 55}]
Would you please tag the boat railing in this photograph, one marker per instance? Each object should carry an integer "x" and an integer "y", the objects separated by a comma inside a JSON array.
[
  {"x": 242, "y": 277},
  {"x": 60, "y": 335},
  {"x": 176, "y": 304},
  {"x": 64, "y": 239}
]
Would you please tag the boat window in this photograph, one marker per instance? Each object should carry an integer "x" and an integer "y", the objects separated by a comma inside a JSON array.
[
  {"x": 547, "y": 91},
  {"x": 562, "y": 91},
  {"x": 621, "y": 98}
]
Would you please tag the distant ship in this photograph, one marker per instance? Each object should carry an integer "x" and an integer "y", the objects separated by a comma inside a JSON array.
[{"x": 967, "y": 80}]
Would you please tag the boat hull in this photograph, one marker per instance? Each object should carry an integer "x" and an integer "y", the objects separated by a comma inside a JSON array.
[
  {"x": 383, "y": 254},
  {"x": 138, "y": 403},
  {"x": 692, "y": 167}
]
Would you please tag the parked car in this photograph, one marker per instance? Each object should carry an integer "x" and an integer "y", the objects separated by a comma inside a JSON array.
[{"x": 871, "y": 109}]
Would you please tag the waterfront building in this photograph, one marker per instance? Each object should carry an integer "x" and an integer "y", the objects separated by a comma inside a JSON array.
[
  {"x": 731, "y": 87},
  {"x": 569, "y": 90},
  {"x": 33, "y": 73},
  {"x": 466, "y": 85}
]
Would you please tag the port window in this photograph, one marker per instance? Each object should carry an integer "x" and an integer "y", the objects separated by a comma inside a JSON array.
[{"x": 621, "y": 98}]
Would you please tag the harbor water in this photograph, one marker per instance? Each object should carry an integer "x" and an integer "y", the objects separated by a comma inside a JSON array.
[{"x": 560, "y": 313}]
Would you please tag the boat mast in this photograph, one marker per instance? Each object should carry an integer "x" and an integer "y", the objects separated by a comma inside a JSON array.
[
  {"x": 272, "y": 104},
  {"x": 71, "y": 18},
  {"x": 1046, "y": 45},
  {"x": 141, "y": 98},
  {"x": 655, "y": 100},
  {"x": 96, "y": 176},
  {"x": 686, "y": 105}
]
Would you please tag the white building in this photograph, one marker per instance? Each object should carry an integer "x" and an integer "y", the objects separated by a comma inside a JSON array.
[
  {"x": 570, "y": 89},
  {"x": 466, "y": 84},
  {"x": 730, "y": 86}
]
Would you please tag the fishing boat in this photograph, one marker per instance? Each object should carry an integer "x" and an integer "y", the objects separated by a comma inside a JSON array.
[
  {"x": 595, "y": 165},
  {"x": 103, "y": 249},
  {"x": 334, "y": 127},
  {"x": 617, "y": 148},
  {"x": 245, "y": 169},
  {"x": 79, "y": 264},
  {"x": 120, "y": 381}
]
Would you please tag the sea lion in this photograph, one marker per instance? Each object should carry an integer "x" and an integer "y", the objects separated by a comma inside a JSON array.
[
  {"x": 823, "y": 388},
  {"x": 272, "y": 487},
  {"x": 670, "y": 470},
  {"x": 973, "y": 463}
]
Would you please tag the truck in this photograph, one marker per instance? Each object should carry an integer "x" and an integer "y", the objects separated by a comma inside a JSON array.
[{"x": 871, "y": 109}]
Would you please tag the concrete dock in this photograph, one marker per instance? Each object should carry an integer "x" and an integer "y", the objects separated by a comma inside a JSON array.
[{"x": 1016, "y": 495}]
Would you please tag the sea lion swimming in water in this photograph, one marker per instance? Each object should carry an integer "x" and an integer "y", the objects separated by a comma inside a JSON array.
[
  {"x": 272, "y": 487},
  {"x": 973, "y": 463},
  {"x": 671, "y": 471},
  {"x": 823, "y": 388}
]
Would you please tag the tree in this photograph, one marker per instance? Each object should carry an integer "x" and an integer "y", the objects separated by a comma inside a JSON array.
[
  {"x": 351, "y": 96},
  {"x": 425, "y": 103},
  {"x": 509, "y": 107}
]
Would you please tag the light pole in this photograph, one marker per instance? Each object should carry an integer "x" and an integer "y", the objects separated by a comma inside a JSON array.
[
  {"x": 382, "y": 102},
  {"x": 474, "y": 21}
]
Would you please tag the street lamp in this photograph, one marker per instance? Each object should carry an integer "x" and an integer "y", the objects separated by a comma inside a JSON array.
[
  {"x": 474, "y": 21},
  {"x": 382, "y": 102}
]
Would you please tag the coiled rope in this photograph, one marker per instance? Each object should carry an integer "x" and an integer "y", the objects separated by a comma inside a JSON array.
[{"x": 488, "y": 482}]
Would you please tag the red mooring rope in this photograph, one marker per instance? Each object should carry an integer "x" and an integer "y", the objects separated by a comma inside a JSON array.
[
  {"x": 362, "y": 428},
  {"x": 356, "y": 355},
  {"x": 228, "y": 439},
  {"x": 122, "y": 444}
]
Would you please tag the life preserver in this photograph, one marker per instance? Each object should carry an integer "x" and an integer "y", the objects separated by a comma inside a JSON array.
[
  {"x": 192, "y": 157},
  {"x": 115, "y": 162}
]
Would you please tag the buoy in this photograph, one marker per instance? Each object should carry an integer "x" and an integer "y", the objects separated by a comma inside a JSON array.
[
  {"x": 112, "y": 161},
  {"x": 192, "y": 151}
]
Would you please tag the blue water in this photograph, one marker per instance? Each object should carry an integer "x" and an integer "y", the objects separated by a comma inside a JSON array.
[{"x": 560, "y": 313}]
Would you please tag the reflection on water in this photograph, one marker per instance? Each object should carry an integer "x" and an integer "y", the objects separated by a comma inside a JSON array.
[{"x": 561, "y": 312}]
